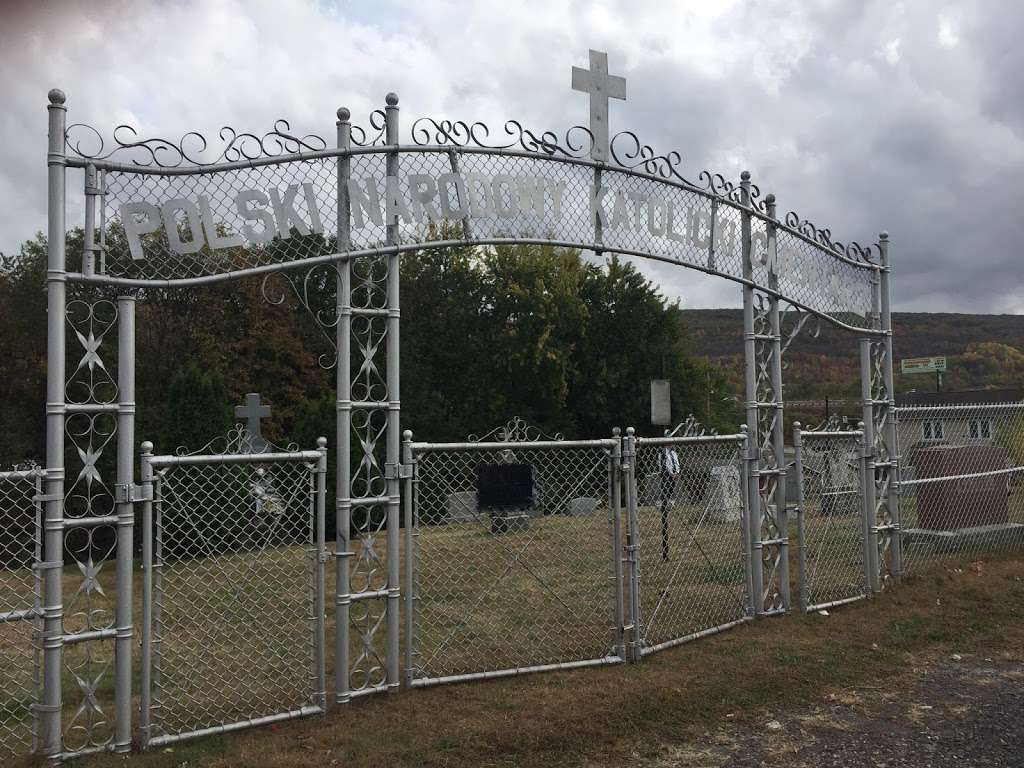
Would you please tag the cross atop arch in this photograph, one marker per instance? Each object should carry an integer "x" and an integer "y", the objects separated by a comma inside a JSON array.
[{"x": 601, "y": 86}]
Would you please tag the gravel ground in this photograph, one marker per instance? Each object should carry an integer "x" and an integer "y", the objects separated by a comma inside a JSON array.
[{"x": 955, "y": 712}]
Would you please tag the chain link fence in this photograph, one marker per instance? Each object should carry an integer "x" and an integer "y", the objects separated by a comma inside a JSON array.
[
  {"x": 233, "y": 621},
  {"x": 830, "y": 517},
  {"x": 961, "y": 487},
  {"x": 513, "y": 565},
  {"x": 20, "y": 610},
  {"x": 687, "y": 519}
]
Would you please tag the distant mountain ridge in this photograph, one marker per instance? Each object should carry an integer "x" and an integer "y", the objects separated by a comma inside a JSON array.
[{"x": 719, "y": 333}]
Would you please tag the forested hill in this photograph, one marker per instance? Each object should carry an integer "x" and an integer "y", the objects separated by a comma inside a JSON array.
[
  {"x": 983, "y": 350},
  {"x": 719, "y": 333}
]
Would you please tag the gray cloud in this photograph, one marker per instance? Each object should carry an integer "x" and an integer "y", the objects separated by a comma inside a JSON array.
[{"x": 862, "y": 116}]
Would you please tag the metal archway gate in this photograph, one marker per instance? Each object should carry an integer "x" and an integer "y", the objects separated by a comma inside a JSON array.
[{"x": 176, "y": 214}]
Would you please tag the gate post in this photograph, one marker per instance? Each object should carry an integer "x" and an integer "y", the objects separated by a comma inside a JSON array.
[
  {"x": 868, "y": 440},
  {"x": 394, "y": 408},
  {"x": 125, "y": 519},
  {"x": 53, "y": 611},
  {"x": 343, "y": 424},
  {"x": 409, "y": 484},
  {"x": 320, "y": 511},
  {"x": 632, "y": 543},
  {"x": 798, "y": 467},
  {"x": 753, "y": 418},
  {"x": 778, "y": 435},
  {"x": 888, "y": 403},
  {"x": 146, "y": 669},
  {"x": 615, "y": 504}
]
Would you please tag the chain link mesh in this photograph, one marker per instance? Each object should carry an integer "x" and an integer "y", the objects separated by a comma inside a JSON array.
[
  {"x": 690, "y": 520},
  {"x": 962, "y": 480},
  {"x": 499, "y": 588},
  {"x": 234, "y": 619},
  {"x": 20, "y": 611},
  {"x": 831, "y": 519},
  {"x": 294, "y": 214}
]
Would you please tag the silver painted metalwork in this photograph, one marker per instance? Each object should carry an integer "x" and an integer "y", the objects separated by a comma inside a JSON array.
[
  {"x": 237, "y": 538},
  {"x": 176, "y": 214},
  {"x": 833, "y": 537},
  {"x": 532, "y": 589},
  {"x": 690, "y": 578},
  {"x": 768, "y": 526}
]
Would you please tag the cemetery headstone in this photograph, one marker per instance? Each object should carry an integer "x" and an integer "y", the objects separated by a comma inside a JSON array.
[{"x": 726, "y": 504}]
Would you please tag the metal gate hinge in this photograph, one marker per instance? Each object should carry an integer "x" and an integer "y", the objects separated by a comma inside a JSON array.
[
  {"x": 397, "y": 472},
  {"x": 128, "y": 493}
]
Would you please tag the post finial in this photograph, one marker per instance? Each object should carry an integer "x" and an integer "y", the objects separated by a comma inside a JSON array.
[
  {"x": 883, "y": 235},
  {"x": 407, "y": 435},
  {"x": 147, "y": 447},
  {"x": 770, "y": 199},
  {"x": 57, "y": 96},
  {"x": 745, "y": 176},
  {"x": 344, "y": 114},
  {"x": 321, "y": 442},
  {"x": 391, "y": 99}
]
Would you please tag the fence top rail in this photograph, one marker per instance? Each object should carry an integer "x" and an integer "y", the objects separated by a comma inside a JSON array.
[
  {"x": 233, "y": 458},
  {"x": 22, "y": 474},
  {"x": 544, "y": 445},
  {"x": 971, "y": 476},
  {"x": 961, "y": 407},
  {"x": 692, "y": 440},
  {"x": 823, "y": 435}
]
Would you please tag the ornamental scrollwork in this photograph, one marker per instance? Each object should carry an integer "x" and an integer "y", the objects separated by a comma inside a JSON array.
[
  {"x": 309, "y": 290},
  {"x": 822, "y": 237},
  {"x": 516, "y": 430},
  {"x": 576, "y": 143},
  {"x": 192, "y": 148}
]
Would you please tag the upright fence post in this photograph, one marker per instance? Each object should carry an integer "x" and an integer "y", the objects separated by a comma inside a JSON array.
[
  {"x": 320, "y": 510},
  {"x": 410, "y": 553},
  {"x": 632, "y": 543},
  {"x": 867, "y": 506},
  {"x": 748, "y": 570},
  {"x": 751, "y": 403},
  {"x": 615, "y": 504},
  {"x": 53, "y": 611},
  {"x": 892, "y": 495},
  {"x": 394, "y": 405},
  {"x": 146, "y": 670},
  {"x": 343, "y": 425},
  {"x": 778, "y": 436},
  {"x": 798, "y": 466},
  {"x": 125, "y": 519}
]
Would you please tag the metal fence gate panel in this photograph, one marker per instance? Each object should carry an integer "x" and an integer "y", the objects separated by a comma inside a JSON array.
[
  {"x": 20, "y": 610},
  {"x": 503, "y": 587},
  {"x": 233, "y": 613},
  {"x": 833, "y": 538},
  {"x": 687, "y": 516},
  {"x": 961, "y": 488}
]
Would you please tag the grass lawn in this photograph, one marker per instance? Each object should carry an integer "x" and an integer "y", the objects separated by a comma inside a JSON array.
[{"x": 607, "y": 715}]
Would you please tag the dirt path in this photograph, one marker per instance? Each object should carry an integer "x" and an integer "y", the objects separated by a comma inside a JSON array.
[{"x": 956, "y": 712}]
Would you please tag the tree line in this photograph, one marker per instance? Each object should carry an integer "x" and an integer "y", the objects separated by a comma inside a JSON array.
[{"x": 487, "y": 333}]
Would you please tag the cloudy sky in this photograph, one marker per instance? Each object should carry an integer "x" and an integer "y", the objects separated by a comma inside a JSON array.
[{"x": 860, "y": 115}]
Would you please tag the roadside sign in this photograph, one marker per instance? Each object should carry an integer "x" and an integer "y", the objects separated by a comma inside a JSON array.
[
  {"x": 923, "y": 365},
  {"x": 661, "y": 402}
]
